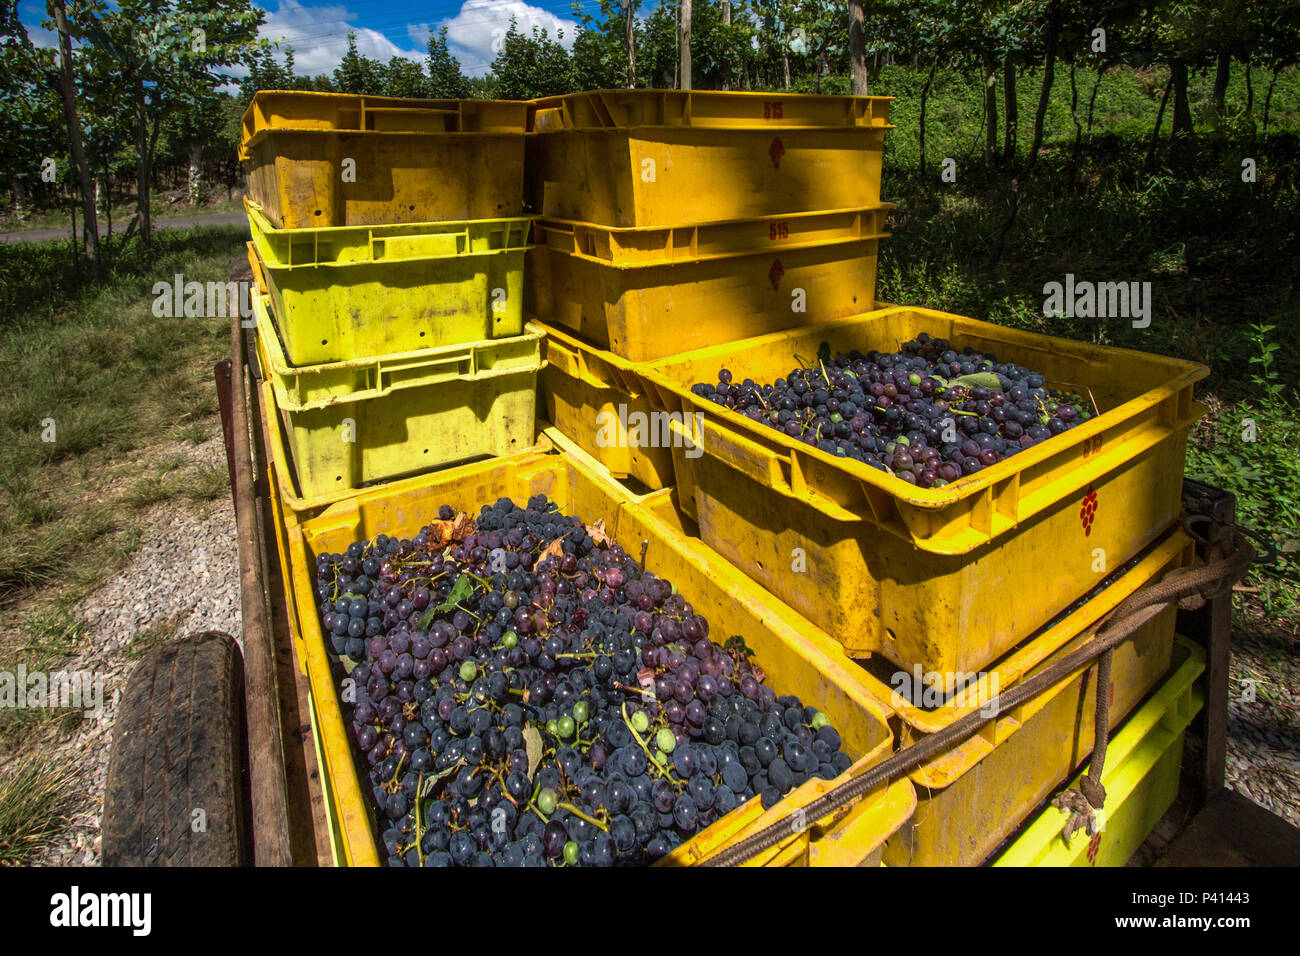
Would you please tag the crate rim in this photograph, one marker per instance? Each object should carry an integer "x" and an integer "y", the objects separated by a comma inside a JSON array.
[{"x": 934, "y": 499}]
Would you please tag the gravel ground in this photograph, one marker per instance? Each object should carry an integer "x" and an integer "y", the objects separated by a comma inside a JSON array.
[
  {"x": 186, "y": 572},
  {"x": 1264, "y": 734}
]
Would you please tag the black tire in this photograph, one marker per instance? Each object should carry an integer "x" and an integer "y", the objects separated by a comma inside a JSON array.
[{"x": 177, "y": 793}]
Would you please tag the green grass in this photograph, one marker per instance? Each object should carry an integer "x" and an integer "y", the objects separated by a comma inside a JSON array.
[{"x": 35, "y": 797}]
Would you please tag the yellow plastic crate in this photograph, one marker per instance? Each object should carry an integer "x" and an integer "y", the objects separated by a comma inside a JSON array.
[
  {"x": 348, "y": 424},
  {"x": 594, "y": 398},
  {"x": 647, "y": 293},
  {"x": 325, "y": 159},
  {"x": 665, "y": 158},
  {"x": 973, "y": 796},
  {"x": 795, "y": 661},
  {"x": 357, "y": 291},
  {"x": 1143, "y": 761},
  {"x": 947, "y": 578}
]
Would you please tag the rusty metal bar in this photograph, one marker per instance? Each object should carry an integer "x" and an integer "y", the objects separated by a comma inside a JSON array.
[{"x": 221, "y": 371}]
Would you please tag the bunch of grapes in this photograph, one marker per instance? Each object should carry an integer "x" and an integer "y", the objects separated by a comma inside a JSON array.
[
  {"x": 928, "y": 414},
  {"x": 526, "y": 694}
]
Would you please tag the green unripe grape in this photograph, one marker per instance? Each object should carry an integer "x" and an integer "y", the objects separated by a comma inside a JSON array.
[
  {"x": 903, "y": 440},
  {"x": 661, "y": 758},
  {"x": 914, "y": 379},
  {"x": 571, "y": 852},
  {"x": 640, "y": 722},
  {"x": 468, "y": 671},
  {"x": 665, "y": 740},
  {"x": 819, "y": 721},
  {"x": 581, "y": 711},
  {"x": 566, "y": 726},
  {"x": 553, "y": 727},
  {"x": 509, "y": 639},
  {"x": 547, "y": 801}
]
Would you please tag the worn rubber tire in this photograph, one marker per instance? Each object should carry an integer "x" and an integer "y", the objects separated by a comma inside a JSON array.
[{"x": 178, "y": 748}]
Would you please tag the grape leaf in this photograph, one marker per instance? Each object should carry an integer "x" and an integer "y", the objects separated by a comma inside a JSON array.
[
  {"x": 824, "y": 352},
  {"x": 460, "y": 591},
  {"x": 443, "y": 533},
  {"x": 347, "y": 662},
  {"x": 427, "y": 785},
  {"x": 597, "y": 532},
  {"x": 552, "y": 550},
  {"x": 987, "y": 380},
  {"x": 533, "y": 747},
  {"x": 736, "y": 644}
]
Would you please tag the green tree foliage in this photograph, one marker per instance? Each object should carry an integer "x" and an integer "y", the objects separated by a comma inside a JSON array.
[
  {"x": 446, "y": 81},
  {"x": 532, "y": 65},
  {"x": 359, "y": 74},
  {"x": 403, "y": 77}
]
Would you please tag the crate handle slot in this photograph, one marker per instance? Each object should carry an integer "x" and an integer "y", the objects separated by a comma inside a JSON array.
[
  {"x": 768, "y": 468},
  {"x": 408, "y": 373}
]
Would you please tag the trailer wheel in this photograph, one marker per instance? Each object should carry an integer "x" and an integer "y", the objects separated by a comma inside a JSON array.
[{"x": 177, "y": 792}]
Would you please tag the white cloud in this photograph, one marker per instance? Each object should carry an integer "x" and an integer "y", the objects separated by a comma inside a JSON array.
[
  {"x": 319, "y": 37},
  {"x": 474, "y": 34}
]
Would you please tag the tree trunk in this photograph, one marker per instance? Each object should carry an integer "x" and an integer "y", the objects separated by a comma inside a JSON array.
[
  {"x": 686, "y": 44},
  {"x": 1074, "y": 115},
  {"x": 629, "y": 23},
  {"x": 1250, "y": 90},
  {"x": 1044, "y": 95},
  {"x": 68, "y": 89},
  {"x": 142, "y": 170},
  {"x": 857, "y": 48},
  {"x": 195, "y": 183},
  {"x": 990, "y": 107},
  {"x": 1221, "y": 81},
  {"x": 823, "y": 68},
  {"x": 1092, "y": 100},
  {"x": 785, "y": 58},
  {"x": 1010, "y": 106},
  {"x": 1268, "y": 97},
  {"x": 726, "y": 21},
  {"x": 1160, "y": 117},
  {"x": 925, "y": 96},
  {"x": 20, "y": 198},
  {"x": 1183, "y": 135},
  {"x": 108, "y": 209}
]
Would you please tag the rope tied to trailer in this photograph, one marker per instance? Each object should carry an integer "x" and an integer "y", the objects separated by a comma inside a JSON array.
[{"x": 1184, "y": 584}]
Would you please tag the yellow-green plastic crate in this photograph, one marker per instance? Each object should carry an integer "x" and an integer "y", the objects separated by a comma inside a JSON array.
[
  {"x": 349, "y": 424},
  {"x": 666, "y": 158},
  {"x": 795, "y": 660},
  {"x": 326, "y": 159},
  {"x": 1143, "y": 763},
  {"x": 974, "y": 795},
  {"x": 647, "y": 293},
  {"x": 358, "y": 291},
  {"x": 947, "y": 578}
]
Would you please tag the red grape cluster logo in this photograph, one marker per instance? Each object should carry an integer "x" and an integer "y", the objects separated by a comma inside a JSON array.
[{"x": 1088, "y": 511}]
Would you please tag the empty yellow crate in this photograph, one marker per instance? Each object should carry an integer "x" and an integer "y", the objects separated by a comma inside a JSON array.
[
  {"x": 325, "y": 159},
  {"x": 647, "y": 293},
  {"x": 974, "y": 795},
  {"x": 947, "y": 578},
  {"x": 663, "y": 158},
  {"x": 355, "y": 292},
  {"x": 348, "y": 424},
  {"x": 1143, "y": 762},
  {"x": 794, "y": 662},
  {"x": 596, "y": 400}
]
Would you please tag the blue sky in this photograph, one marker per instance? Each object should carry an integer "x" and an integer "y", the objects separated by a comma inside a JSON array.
[{"x": 318, "y": 30}]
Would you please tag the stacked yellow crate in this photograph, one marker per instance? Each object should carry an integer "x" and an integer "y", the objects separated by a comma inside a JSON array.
[
  {"x": 676, "y": 220},
  {"x": 388, "y": 243}
]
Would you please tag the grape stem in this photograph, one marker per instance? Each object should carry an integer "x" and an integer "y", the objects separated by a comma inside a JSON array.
[
  {"x": 650, "y": 759},
  {"x": 578, "y": 813}
]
